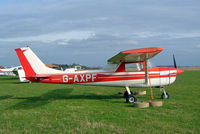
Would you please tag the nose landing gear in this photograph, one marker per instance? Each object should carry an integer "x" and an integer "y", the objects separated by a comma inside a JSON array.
[
  {"x": 164, "y": 95},
  {"x": 130, "y": 98}
]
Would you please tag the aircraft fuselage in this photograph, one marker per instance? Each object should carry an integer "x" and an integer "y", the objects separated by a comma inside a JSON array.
[{"x": 158, "y": 76}]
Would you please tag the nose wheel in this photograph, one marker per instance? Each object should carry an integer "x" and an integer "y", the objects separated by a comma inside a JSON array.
[
  {"x": 130, "y": 98},
  {"x": 164, "y": 95}
]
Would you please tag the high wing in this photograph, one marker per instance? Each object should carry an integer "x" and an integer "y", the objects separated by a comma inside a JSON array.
[{"x": 135, "y": 55}]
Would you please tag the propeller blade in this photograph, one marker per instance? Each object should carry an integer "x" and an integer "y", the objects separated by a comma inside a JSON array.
[{"x": 174, "y": 61}]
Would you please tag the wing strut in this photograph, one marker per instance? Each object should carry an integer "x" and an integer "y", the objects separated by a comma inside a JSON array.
[
  {"x": 146, "y": 68},
  {"x": 147, "y": 78}
]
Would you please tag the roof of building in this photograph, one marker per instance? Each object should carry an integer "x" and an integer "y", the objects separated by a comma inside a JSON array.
[
  {"x": 2, "y": 67},
  {"x": 52, "y": 65}
]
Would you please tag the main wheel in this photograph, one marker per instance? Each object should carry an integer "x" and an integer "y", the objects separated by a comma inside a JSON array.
[
  {"x": 131, "y": 98},
  {"x": 126, "y": 94},
  {"x": 165, "y": 97}
]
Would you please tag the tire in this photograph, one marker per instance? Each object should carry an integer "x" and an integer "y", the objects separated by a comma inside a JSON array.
[
  {"x": 126, "y": 94},
  {"x": 163, "y": 96},
  {"x": 131, "y": 99}
]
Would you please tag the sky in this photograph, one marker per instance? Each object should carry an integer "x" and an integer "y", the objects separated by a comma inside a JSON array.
[{"x": 89, "y": 32}]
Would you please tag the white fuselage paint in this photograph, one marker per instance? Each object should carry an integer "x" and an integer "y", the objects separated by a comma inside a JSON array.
[{"x": 158, "y": 81}]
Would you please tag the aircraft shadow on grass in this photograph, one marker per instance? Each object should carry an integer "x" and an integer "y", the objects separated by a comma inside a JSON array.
[
  {"x": 8, "y": 78},
  {"x": 5, "y": 97},
  {"x": 58, "y": 94}
]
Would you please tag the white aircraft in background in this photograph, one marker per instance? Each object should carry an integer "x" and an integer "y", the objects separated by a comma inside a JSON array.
[
  {"x": 13, "y": 71},
  {"x": 8, "y": 71},
  {"x": 70, "y": 70}
]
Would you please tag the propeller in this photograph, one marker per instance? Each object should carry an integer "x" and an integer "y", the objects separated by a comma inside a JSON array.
[
  {"x": 175, "y": 66},
  {"x": 178, "y": 70}
]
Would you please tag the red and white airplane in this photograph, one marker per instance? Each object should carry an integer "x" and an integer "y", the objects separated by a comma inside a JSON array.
[{"x": 132, "y": 70}]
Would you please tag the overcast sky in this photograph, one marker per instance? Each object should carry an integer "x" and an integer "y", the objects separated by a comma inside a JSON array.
[{"x": 89, "y": 32}]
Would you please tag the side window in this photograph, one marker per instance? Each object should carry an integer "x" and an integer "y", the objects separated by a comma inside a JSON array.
[{"x": 134, "y": 67}]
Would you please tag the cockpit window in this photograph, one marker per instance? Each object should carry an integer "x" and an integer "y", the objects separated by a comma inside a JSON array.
[
  {"x": 110, "y": 67},
  {"x": 128, "y": 67},
  {"x": 133, "y": 67}
]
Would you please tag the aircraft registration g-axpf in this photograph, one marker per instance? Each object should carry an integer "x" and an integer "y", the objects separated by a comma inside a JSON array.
[{"x": 139, "y": 75}]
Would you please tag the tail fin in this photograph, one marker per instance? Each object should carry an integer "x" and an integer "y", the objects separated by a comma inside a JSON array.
[{"x": 32, "y": 64}]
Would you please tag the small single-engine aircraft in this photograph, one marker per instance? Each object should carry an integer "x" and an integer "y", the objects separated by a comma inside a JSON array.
[
  {"x": 132, "y": 69},
  {"x": 8, "y": 71}
]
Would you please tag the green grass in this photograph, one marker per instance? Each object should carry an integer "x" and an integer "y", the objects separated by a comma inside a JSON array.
[{"x": 56, "y": 108}]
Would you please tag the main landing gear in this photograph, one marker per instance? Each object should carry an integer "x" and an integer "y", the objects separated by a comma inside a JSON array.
[
  {"x": 164, "y": 95},
  {"x": 128, "y": 94},
  {"x": 131, "y": 98}
]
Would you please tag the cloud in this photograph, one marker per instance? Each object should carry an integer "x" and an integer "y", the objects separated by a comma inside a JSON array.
[
  {"x": 64, "y": 43},
  {"x": 146, "y": 34},
  {"x": 185, "y": 35},
  {"x": 198, "y": 46},
  {"x": 50, "y": 37},
  {"x": 149, "y": 34}
]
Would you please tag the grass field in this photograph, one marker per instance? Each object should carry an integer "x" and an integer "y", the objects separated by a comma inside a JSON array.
[{"x": 56, "y": 108}]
